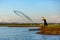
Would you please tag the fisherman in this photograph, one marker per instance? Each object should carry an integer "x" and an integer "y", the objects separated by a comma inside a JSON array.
[{"x": 45, "y": 22}]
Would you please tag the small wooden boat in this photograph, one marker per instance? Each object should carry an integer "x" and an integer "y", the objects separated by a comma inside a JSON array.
[{"x": 34, "y": 29}]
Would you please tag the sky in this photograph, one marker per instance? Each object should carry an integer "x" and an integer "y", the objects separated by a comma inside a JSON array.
[{"x": 35, "y": 9}]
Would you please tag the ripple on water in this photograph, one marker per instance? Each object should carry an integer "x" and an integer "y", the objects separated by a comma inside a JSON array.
[{"x": 23, "y": 33}]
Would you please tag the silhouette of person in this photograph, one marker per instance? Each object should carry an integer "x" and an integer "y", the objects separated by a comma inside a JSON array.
[{"x": 45, "y": 22}]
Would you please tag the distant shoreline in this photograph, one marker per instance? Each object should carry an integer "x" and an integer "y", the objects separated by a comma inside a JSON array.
[
  {"x": 20, "y": 24},
  {"x": 25, "y": 24}
]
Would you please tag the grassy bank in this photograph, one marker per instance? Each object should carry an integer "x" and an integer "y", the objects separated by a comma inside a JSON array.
[
  {"x": 51, "y": 29},
  {"x": 52, "y": 25}
]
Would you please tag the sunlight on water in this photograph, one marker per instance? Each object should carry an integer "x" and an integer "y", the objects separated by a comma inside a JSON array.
[{"x": 23, "y": 33}]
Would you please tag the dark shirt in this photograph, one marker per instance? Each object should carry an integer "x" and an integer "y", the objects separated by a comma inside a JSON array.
[{"x": 45, "y": 22}]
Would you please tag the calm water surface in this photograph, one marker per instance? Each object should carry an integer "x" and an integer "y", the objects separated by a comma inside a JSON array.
[{"x": 23, "y": 33}]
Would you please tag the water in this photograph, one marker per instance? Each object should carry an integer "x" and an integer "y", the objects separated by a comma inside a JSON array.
[{"x": 23, "y": 33}]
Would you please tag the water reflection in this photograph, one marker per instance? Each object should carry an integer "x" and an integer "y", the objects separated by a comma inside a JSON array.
[{"x": 7, "y": 33}]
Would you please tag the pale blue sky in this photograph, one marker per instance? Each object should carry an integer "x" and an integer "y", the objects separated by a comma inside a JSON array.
[
  {"x": 30, "y": 7},
  {"x": 33, "y": 8}
]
